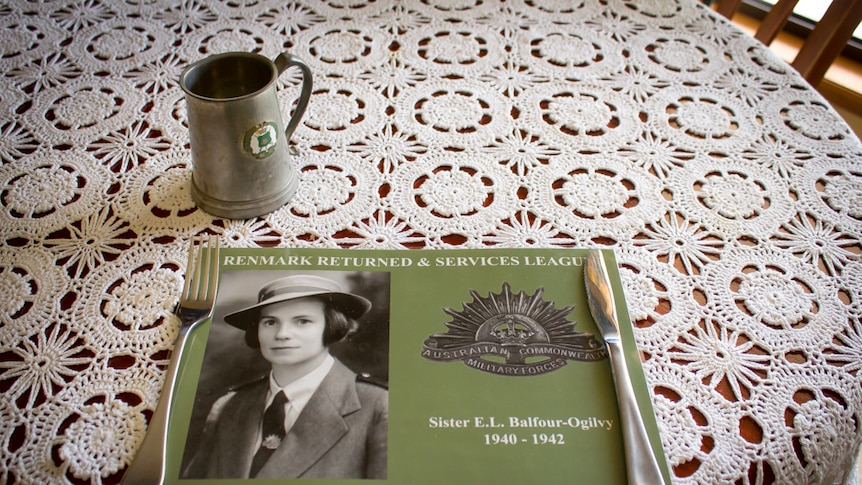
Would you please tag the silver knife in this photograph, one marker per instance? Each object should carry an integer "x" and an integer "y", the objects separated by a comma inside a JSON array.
[{"x": 641, "y": 463}]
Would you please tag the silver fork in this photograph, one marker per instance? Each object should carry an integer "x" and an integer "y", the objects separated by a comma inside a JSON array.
[{"x": 196, "y": 305}]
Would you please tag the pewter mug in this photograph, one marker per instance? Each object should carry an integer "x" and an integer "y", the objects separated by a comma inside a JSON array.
[{"x": 241, "y": 165}]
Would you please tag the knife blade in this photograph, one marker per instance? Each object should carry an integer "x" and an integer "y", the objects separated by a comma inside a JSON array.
[{"x": 641, "y": 464}]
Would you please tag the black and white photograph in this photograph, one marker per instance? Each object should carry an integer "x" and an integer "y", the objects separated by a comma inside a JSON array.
[{"x": 294, "y": 381}]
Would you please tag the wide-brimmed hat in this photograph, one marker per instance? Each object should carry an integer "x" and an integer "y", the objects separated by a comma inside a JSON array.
[{"x": 300, "y": 286}]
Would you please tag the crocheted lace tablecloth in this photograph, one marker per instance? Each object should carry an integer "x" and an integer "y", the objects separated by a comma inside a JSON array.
[{"x": 731, "y": 191}]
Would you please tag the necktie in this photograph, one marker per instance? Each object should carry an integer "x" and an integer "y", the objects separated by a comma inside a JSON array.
[{"x": 272, "y": 430}]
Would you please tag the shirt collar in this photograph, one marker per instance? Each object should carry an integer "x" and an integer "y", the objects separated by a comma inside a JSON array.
[{"x": 299, "y": 391}]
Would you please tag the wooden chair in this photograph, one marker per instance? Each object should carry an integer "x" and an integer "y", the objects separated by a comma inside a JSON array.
[{"x": 822, "y": 45}]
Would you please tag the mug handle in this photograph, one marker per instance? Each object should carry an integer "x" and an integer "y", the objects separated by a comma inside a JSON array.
[{"x": 282, "y": 62}]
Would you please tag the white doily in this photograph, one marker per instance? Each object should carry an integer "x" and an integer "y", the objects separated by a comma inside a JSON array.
[{"x": 731, "y": 191}]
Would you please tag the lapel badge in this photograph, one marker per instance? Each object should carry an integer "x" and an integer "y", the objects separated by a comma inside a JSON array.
[{"x": 271, "y": 442}]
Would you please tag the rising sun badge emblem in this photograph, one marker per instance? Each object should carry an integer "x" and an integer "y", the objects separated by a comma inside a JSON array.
[
  {"x": 271, "y": 442},
  {"x": 512, "y": 334}
]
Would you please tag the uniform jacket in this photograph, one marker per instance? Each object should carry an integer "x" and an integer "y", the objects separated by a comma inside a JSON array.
[{"x": 341, "y": 433}]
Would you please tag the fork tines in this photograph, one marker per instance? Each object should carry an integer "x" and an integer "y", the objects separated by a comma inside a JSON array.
[{"x": 201, "y": 276}]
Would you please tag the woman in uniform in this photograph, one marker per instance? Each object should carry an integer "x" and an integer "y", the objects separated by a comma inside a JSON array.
[{"x": 311, "y": 416}]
